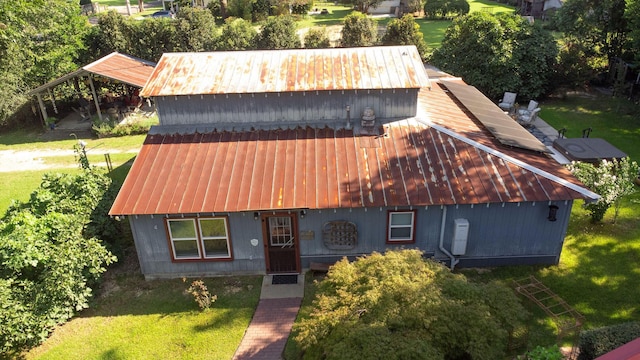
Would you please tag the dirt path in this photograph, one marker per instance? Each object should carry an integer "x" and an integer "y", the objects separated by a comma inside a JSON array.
[{"x": 24, "y": 160}]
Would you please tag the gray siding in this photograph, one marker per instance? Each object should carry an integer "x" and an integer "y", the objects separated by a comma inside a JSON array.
[
  {"x": 290, "y": 108},
  {"x": 498, "y": 235}
]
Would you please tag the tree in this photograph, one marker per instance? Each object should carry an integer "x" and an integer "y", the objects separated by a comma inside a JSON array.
[
  {"x": 363, "y": 6},
  {"x": 401, "y": 306},
  {"x": 599, "y": 26},
  {"x": 278, "y": 33},
  {"x": 47, "y": 266},
  {"x": 39, "y": 41},
  {"x": 317, "y": 38},
  {"x": 498, "y": 53},
  {"x": 358, "y": 30},
  {"x": 632, "y": 15},
  {"x": 237, "y": 34},
  {"x": 405, "y": 31},
  {"x": 195, "y": 29},
  {"x": 610, "y": 179}
]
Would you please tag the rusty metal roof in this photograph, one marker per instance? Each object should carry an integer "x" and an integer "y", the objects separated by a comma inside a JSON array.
[
  {"x": 240, "y": 72},
  {"x": 116, "y": 66},
  {"x": 412, "y": 164}
]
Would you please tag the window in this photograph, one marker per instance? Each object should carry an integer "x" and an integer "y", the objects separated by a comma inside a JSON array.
[
  {"x": 199, "y": 239},
  {"x": 401, "y": 227}
]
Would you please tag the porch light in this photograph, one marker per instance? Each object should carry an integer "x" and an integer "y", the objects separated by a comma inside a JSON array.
[
  {"x": 303, "y": 213},
  {"x": 553, "y": 210},
  {"x": 256, "y": 215}
]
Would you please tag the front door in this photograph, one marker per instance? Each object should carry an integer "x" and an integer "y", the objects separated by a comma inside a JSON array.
[{"x": 281, "y": 243}]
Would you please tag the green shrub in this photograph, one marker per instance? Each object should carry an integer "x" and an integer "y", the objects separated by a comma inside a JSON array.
[
  {"x": 317, "y": 38},
  {"x": 597, "y": 342},
  {"x": 543, "y": 353},
  {"x": 401, "y": 306}
]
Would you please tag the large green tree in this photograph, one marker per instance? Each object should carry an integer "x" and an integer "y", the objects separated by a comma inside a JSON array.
[
  {"x": 632, "y": 15},
  {"x": 401, "y": 306},
  {"x": 237, "y": 34},
  {"x": 278, "y": 32},
  {"x": 358, "y": 30},
  {"x": 39, "y": 41},
  {"x": 498, "y": 53},
  {"x": 598, "y": 25}
]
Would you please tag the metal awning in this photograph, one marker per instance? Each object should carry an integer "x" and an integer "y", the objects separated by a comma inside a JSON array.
[{"x": 115, "y": 66}]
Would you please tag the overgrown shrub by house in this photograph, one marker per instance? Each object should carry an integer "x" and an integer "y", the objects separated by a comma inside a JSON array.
[
  {"x": 112, "y": 128},
  {"x": 597, "y": 342},
  {"x": 398, "y": 305},
  {"x": 51, "y": 255}
]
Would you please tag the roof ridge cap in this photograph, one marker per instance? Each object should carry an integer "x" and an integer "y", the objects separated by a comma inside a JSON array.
[{"x": 579, "y": 189}]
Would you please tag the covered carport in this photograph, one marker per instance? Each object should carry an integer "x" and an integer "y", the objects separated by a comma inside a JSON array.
[{"x": 116, "y": 67}]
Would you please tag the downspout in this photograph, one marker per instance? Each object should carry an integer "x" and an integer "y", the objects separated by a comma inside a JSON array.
[{"x": 454, "y": 261}]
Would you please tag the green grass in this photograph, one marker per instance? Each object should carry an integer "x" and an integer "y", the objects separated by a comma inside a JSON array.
[
  {"x": 336, "y": 16},
  {"x": 137, "y": 319},
  {"x": 490, "y": 6},
  {"x": 20, "y": 185}
]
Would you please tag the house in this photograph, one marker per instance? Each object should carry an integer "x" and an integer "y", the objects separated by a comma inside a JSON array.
[
  {"x": 266, "y": 161},
  {"x": 393, "y": 7},
  {"x": 539, "y": 8}
]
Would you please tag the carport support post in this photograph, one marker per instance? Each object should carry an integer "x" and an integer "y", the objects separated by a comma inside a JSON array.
[
  {"x": 43, "y": 109},
  {"x": 95, "y": 97}
]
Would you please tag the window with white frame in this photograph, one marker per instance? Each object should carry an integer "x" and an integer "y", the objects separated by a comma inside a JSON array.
[
  {"x": 401, "y": 227},
  {"x": 199, "y": 238}
]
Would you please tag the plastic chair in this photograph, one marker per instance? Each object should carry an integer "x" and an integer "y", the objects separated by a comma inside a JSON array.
[
  {"x": 508, "y": 101},
  {"x": 532, "y": 106},
  {"x": 528, "y": 118}
]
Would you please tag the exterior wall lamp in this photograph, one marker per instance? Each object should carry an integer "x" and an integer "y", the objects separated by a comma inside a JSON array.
[
  {"x": 303, "y": 213},
  {"x": 256, "y": 215},
  {"x": 553, "y": 210}
]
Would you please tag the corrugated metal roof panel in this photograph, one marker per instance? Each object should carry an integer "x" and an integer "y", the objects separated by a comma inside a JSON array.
[
  {"x": 324, "y": 168},
  {"x": 384, "y": 67},
  {"x": 122, "y": 67}
]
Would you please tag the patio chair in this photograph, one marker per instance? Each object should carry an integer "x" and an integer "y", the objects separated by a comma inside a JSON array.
[
  {"x": 532, "y": 106},
  {"x": 508, "y": 101},
  {"x": 527, "y": 119}
]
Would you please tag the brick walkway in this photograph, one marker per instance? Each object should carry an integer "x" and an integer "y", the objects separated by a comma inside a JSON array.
[{"x": 269, "y": 329}]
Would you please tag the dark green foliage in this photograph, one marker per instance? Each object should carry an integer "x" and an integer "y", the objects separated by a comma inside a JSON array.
[
  {"x": 278, "y": 33},
  {"x": 632, "y": 15},
  {"x": 441, "y": 9},
  {"x": 261, "y": 9},
  {"x": 237, "y": 34},
  {"x": 363, "y": 6},
  {"x": 301, "y": 7},
  {"x": 401, "y": 306},
  {"x": 317, "y": 38},
  {"x": 597, "y": 342},
  {"x": 498, "y": 53},
  {"x": 241, "y": 9},
  {"x": 358, "y": 30},
  {"x": 195, "y": 30},
  {"x": 47, "y": 266},
  {"x": 405, "y": 31},
  {"x": 39, "y": 41},
  {"x": 543, "y": 353}
]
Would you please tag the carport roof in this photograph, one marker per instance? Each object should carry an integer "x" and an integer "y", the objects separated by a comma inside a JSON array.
[{"x": 121, "y": 67}]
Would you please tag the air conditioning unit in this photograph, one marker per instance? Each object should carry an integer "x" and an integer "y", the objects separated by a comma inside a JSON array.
[{"x": 460, "y": 236}]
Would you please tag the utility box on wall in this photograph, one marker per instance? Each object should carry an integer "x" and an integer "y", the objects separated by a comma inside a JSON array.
[{"x": 460, "y": 236}]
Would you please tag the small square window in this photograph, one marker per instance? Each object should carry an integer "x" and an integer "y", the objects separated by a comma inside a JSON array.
[{"x": 401, "y": 227}]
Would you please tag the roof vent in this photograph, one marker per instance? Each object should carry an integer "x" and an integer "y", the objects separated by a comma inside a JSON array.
[{"x": 368, "y": 117}]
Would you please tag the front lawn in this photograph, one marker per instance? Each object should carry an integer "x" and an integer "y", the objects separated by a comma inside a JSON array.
[{"x": 137, "y": 319}]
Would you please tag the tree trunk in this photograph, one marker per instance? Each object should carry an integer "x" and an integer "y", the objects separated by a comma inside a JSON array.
[
  {"x": 223, "y": 9},
  {"x": 140, "y": 6}
]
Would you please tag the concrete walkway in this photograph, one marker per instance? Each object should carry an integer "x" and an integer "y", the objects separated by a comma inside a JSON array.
[{"x": 271, "y": 325}]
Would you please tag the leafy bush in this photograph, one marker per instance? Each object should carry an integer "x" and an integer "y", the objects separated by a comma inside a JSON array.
[
  {"x": 317, "y": 38},
  {"x": 237, "y": 34},
  {"x": 597, "y": 342},
  {"x": 401, "y": 306},
  {"x": 47, "y": 266},
  {"x": 111, "y": 128},
  {"x": 359, "y": 30},
  {"x": 543, "y": 353},
  {"x": 441, "y": 9},
  {"x": 405, "y": 31},
  {"x": 610, "y": 179},
  {"x": 278, "y": 33}
]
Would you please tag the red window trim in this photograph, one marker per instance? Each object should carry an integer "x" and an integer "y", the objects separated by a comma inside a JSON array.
[{"x": 199, "y": 240}]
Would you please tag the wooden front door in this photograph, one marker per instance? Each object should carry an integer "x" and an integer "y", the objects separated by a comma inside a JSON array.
[{"x": 281, "y": 243}]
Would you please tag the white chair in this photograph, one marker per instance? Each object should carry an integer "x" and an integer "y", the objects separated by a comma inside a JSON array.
[
  {"x": 527, "y": 119},
  {"x": 508, "y": 101},
  {"x": 532, "y": 106}
]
